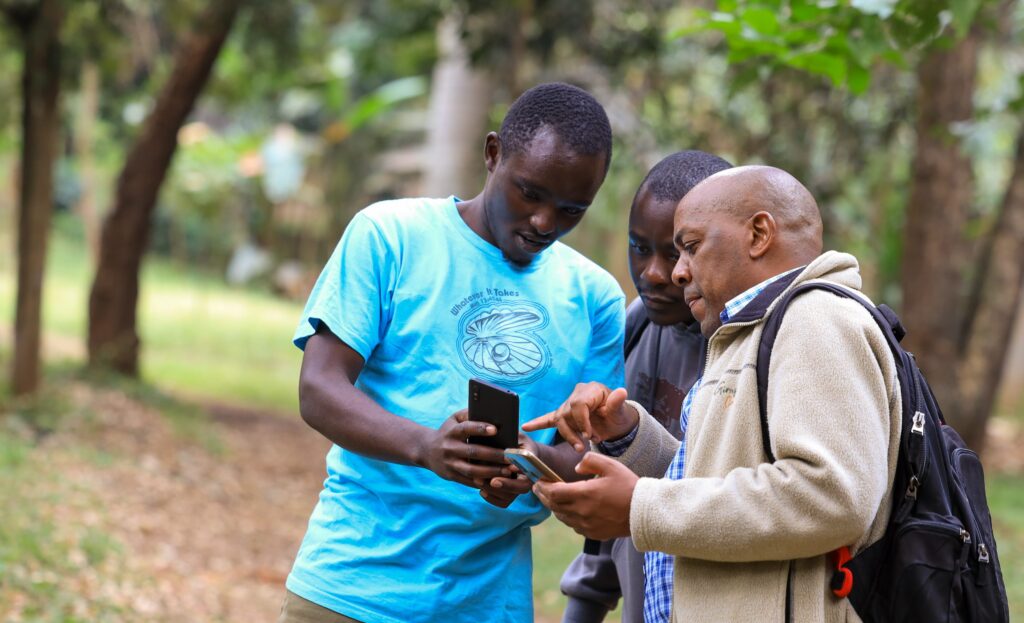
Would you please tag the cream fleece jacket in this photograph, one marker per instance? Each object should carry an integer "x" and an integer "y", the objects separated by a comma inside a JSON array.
[{"x": 739, "y": 525}]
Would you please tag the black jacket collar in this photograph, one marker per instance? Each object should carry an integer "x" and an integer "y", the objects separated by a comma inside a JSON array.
[{"x": 756, "y": 308}]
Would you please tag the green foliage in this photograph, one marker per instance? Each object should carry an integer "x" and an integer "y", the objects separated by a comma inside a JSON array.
[
  {"x": 195, "y": 329},
  {"x": 383, "y": 99},
  {"x": 840, "y": 41},
  {"x": 1006, "y": 501}
]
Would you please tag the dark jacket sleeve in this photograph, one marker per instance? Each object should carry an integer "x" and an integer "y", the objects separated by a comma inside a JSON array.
[{"x": 592, "y": 585}]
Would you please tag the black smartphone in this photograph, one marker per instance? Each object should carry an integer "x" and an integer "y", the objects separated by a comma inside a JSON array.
[{"x": 498, "y": 406}]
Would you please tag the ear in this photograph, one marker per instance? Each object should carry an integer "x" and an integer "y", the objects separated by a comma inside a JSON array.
[
  {"x": 762, "y": 234},
  {"x": 492, "y": 151}
]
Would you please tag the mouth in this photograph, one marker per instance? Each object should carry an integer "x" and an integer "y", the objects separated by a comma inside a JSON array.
[
  {"x": 659, "y": 301},
  {"x": 534, "y": 244},
  {"x": 691, "y": 301}
]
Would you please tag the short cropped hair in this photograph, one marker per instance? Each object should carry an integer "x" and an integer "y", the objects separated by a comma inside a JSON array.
[
  {"x": 574, "y": 115},
  {"x": 678, "y": 173}
]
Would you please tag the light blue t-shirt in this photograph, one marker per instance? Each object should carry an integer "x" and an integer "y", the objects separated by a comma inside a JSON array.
[{"x": 429, "y": 305}]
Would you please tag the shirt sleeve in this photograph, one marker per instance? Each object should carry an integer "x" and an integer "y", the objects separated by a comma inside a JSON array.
[
  {"x": 618, "y": 447},
  {"x": 604, "y": 359},
  {"x": 353, "y": 294},
  {"x": 591, "y": 583}
]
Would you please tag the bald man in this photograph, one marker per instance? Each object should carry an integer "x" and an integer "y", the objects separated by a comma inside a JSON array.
[{"x": 742, "y": 538}]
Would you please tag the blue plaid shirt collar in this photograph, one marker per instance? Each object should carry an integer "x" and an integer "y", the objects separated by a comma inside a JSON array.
[{"x": 738, "y": 302}]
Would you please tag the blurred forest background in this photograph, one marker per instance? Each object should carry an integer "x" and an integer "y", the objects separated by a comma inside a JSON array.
[{"x": 174, "y": 174}]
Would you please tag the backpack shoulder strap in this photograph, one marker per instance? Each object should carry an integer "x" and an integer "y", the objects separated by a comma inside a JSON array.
[{"x": 884, "y": 317}]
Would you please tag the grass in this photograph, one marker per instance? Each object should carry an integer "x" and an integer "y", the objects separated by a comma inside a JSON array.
[
  {"x": 204, "y": 340},
  {"x": 554, "y": 547},
  {"x": 1006, "y": 501},
  {"x": 200, "y": 338},
  {"x": 44, "y": 561}
]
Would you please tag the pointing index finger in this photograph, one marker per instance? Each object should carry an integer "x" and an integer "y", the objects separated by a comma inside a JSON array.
[{"x": 548, "y": 420}]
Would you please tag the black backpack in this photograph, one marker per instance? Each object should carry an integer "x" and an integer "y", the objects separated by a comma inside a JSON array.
[{"x": 937, "y": 560}]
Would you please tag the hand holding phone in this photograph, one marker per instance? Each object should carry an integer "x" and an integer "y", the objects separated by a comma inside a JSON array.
[
  {"x": 498, "y": 406},
  {"x": 531, "y": 465}
]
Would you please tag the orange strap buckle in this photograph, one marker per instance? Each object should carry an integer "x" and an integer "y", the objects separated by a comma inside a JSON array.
[{"x": 842, "y": 578}]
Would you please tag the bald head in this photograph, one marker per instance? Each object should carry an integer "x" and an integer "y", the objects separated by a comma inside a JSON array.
[
  {"x": 736, "y": 229},
  {"x": 742, "y": 192}
]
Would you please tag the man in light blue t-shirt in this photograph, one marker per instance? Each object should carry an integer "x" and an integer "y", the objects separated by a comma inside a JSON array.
[{"x": 414, "y": 524}]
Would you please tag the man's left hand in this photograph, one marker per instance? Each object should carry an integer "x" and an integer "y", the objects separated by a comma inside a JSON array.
[
  {"x": 502, "y": 491},
  {"x": 596, "y": 508}
]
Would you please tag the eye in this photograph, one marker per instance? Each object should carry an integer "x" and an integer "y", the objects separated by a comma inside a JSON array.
[
  {"x": 690, "y": 248},
  {"x": 573, "y": 210},
  {"x": 529, "y": 195},
  {"x": 639, "y": 248}
]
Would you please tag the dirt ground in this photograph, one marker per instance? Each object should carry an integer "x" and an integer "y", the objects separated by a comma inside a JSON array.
[{"x": 208, "y": 521}]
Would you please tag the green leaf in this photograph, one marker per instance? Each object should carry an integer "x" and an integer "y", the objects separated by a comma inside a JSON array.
[
  {"x": 911, "y": 30},
  {"x": 799, "y": 37},
  {"x": 828, "y": 65},
  {"x": 867, "y": 41},
  {"x": 761, "y": 20},
  {"x": 1017, "y": 104},
  {"x": 739, "y": 54},
  {"x": 696, "y": 21},
  {"x": 837, "y": 44},
  {"x": 383, "y": 99},
  {"x": 963, "y": 12},
  {"x": 858, "y": 79},
  {"x": 804, "y": 10},
  {"x": 726, "y": 24}
]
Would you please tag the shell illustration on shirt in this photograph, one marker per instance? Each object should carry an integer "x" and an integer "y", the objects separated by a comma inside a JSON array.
[{"x": 501, "y": 343}]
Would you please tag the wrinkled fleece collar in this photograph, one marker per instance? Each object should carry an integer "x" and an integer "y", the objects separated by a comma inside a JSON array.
[{"x": 833, "y": 266}]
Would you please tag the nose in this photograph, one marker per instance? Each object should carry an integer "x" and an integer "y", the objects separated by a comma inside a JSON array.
[
  {"x": 657, "y": 272},
  {"x": 681, "y": 272},
  {"x": 543, "y": 221}
]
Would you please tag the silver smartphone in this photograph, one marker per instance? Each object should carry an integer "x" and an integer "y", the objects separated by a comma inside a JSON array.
[{"x": 531, "y": 465}]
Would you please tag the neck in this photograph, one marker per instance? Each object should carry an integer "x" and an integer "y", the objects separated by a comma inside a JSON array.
[{"x": 473, "y": 214}]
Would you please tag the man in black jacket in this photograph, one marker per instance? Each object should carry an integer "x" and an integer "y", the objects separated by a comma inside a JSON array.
[{"x": 664, "y": 356}]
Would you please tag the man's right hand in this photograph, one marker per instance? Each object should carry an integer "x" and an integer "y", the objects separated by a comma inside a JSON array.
[
  {"x": 592, "y": 412},
  {"x": 449, "y": 455}
]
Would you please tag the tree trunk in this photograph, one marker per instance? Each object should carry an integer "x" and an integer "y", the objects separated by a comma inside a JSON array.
[
  {"x": 85, "y": 145},
  {"x": 991, "y": 318},
  {"x": 934, "y": 246},
  {"x": 460, "y": 100},
  {"x": 113, "y": 337},
  {"x": 40, "y": 131}
]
